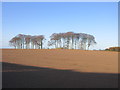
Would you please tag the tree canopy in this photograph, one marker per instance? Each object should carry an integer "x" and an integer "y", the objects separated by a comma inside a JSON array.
[{"x": 68, "y": 40}]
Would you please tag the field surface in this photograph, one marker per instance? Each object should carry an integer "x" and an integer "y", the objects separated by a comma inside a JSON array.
[{"x": 57, "y": 68}]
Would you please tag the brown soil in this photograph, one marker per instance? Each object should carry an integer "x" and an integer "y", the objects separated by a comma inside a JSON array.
[
  {"x": 77, "y": 60},
  {"x": 59, "y": 68}
]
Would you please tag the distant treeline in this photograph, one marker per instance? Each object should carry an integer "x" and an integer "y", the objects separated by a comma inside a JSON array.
[
  {"x": 68, "y": 40},
  {"x": 113, "y": 49}
]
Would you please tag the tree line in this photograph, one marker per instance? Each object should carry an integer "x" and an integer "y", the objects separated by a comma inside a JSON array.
[
  {"x": 113, "y": 49},
  {"x": 68, "y": 40},
  {"x": 22, "y": 41}
]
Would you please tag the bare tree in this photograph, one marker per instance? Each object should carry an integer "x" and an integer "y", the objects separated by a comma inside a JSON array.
[
  {"x": 91, "y": 41},
  {"x": 15, "y": 41},
  {"x": 68, "y": 40},
  {"x": 27, "y": 41},
  {"x": 22, "y": 38},
  {"x": 71, "y": 40},
  {"x": 22, "y": 41},
  {"x": 39, "y": 41}
]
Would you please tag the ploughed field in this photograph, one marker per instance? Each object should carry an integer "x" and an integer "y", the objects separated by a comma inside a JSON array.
[
  {"x": 77, "y": 60},
  {"x": 59, "y": 68}
]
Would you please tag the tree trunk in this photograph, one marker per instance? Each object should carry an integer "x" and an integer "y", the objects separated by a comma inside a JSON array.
[{"x": 41, "y": 44}]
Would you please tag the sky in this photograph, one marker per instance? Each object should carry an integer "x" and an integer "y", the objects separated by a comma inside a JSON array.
[
  {"x": 99, "y": 19},
  {"x": 60, "y": 0}
]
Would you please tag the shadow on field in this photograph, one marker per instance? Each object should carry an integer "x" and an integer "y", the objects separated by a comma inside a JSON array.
[{"x": 20, "y": 76}]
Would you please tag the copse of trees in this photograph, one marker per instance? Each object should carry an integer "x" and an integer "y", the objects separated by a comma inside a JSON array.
[
  {"x": 113, "y": 49},
  {"x": 68, "y": 40},
  {"x": 71, "y": 40},
  {"x": 22, "y": 41}
]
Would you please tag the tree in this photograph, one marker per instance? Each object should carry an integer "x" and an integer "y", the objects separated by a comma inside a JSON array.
[
  {"x": 22, "y": 41},
  {"x": 27, "y": 41},
  {"x": 68, "y": 40},
  {"x": 71, "y": 40},
  {"x": 39, "y": 41},
  {"x": 91, "y": 41}
]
